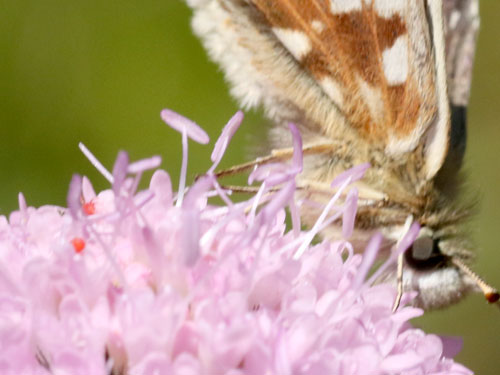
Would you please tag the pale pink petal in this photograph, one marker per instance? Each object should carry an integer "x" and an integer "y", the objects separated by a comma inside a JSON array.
[
  {"x": 279, "y": 201},
  {"x": 120, "y": 171},
  {"x": 452, "y": 345},
  {"x": 155, "y": 363},
  {"x": 22, "y": 204},
  {"x": 371, "y": 252},
  {"x": 186, "y": 364},
  {"x": 190, "y": 236},
  {"x": 74, "y": 195},
  {"x": 88, "y": 192},
  {"x": 161, "y": 186}
]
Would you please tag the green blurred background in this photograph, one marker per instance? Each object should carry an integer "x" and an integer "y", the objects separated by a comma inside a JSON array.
[{"x": 100, "y": 72}]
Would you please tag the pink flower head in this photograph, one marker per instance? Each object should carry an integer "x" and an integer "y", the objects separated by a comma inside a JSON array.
[{"x": 134, "y": 284}]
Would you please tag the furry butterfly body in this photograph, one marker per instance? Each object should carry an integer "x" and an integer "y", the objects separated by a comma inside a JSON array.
[{"x": 384, "y": 82}]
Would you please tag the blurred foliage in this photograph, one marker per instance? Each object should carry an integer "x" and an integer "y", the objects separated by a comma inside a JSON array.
[{"x": 99, "y": 72}]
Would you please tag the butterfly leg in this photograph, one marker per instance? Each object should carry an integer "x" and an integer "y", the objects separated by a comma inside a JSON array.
[
  {"x": 370, "y": 198},
  {"x": 277, "y": 155},
  {"x": 399, "y": 278},
  {"x": 311, "y": 187}
]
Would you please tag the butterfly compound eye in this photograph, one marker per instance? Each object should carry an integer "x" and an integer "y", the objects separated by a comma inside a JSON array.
[{"x": 424, "y": 254}]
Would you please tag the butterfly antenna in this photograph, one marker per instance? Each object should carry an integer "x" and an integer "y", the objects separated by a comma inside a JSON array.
[
  {"x": 240, "y": 168},
  {"x": 490, "y": 293}
]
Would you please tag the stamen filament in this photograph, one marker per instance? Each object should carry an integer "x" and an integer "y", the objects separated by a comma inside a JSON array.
[{"x": 182, "y": 179}]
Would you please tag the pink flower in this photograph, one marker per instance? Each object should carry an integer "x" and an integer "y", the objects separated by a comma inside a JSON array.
[{"x": 147, "y": 282}]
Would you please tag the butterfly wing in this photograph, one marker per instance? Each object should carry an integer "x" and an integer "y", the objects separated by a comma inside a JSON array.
[
  {"x": 370, "y": 72},
  {"x": 461, "y": 21}
]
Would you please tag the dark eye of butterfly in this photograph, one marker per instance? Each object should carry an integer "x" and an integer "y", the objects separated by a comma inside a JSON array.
[{"x": 424, "y": 254}]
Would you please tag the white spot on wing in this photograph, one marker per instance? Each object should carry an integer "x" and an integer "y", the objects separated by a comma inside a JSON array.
[
  {"x": 333, "y": 90},
  {"x": 373, "y": 98},
  {"x": 295, "y": 41},
  {"x": 397, "y": 146},
  {"x": 395, "y": 61},
  {"x": 387, "y": 8},
  {"x": 343, "y": 6},
  {"x": 318, "y": 26}
]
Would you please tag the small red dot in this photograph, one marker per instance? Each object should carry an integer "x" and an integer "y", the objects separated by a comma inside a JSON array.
[
  {"x": 89, "y": 208},
  {"x": 78, "y": 244}
]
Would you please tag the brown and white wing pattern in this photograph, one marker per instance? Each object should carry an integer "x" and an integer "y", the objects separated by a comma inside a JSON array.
[{"x": 373, "y": 70}]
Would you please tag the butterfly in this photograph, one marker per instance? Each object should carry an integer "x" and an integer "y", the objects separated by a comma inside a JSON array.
[{"x": 380, "y": 81}]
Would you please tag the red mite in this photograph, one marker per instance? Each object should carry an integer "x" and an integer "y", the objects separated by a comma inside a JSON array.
[
  {"x": 89, "y": 208},
  {"x": 78, "y": 244}
]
